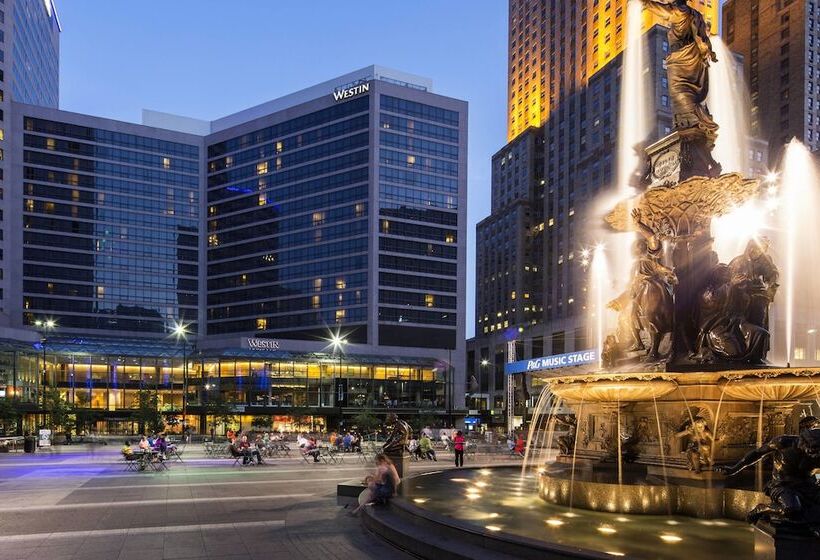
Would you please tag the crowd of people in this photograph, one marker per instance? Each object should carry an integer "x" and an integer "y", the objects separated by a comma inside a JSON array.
[{"x": 156, "y": 444}]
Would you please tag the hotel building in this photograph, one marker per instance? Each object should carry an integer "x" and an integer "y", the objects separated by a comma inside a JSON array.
[{"x": 297, "y": 262}]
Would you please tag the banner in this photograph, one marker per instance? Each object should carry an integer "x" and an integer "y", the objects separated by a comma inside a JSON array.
[{"x": 570, "y": 359}]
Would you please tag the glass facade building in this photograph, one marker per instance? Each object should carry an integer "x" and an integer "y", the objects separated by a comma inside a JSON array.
[{"x": 318, "y": 216}]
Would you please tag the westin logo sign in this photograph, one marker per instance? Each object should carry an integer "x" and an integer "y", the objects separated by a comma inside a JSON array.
[{"x": 342, "y": 94}]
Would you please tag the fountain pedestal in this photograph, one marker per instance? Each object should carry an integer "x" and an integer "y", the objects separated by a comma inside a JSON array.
[
  {"x": 779, "y": 543},
  {"x": 679, "y": 156},
  {"x": 401, "y": 460}
]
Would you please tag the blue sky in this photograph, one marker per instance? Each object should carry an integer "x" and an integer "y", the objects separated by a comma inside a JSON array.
[{"x": 209, "y": 58}]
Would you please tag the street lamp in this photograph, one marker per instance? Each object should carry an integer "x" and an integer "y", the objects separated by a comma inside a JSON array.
[
  {"x": 338, "y": 342},
  {"x": 484, "y": 363},
  {"x": 180, "y": 331},
  {"x": 45, "y": 326}
]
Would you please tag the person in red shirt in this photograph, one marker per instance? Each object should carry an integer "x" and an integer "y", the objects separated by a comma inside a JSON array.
[
  {"x": 458, "y": 446},
  {"x": 519, "y": 445}
]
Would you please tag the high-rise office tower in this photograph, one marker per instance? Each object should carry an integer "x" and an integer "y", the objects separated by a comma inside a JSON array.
[
  {"x": 780, "y": 44},
  {"x": 29, "y": 73},
  {"x": 563, "y": 99}
]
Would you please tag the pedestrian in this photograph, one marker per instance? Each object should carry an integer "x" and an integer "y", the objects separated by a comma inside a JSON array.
[{"x": 458, "y": 447}]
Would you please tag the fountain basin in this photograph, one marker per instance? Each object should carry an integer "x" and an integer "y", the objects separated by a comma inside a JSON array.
[
  {"x": 435, "y": 517},
  {"x": 781, "y": 388},
  {"x": 706, "y": 497},
  {"x": 613, "y": 391}
]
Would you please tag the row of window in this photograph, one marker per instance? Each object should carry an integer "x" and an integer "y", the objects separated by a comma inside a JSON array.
[
  {"x": 295, "y": 191},
  {"x": 405, "y": 195},
  {"x": 422, "y": 163},
  {"x": 107, "y": 291},
  {"x": 137, "y": 277},
  {"x": 109, "y": 261},
  {"x": 402, "y": 229},
  {"x": 410, "y": 178},
  {"x": 291, "y": 256},
  {"x": 403, "y": 212},
  {"x": 309, "y": 204},
  {"x": 418, "y": 145},
  {"x": 107, "y": 152},
  {"x": 313, "y": 286},
  {"x": 172, "y": 222},
  {"x": 349, "y": 263},
  {"x": 98, "y": 246},
  {"x": 107, "y": 184},
  {"x": 336, "y": 112},
  {"x": 291, "y": 175},
  {"x": 417, "y": 265},
  {"x": 415, "y": 299},
  {"x": 403, "y": 315},
  {"x": 108, "y": 231},
  {"x": 296, "y": 320},
  {"x": 273, "y": 244},
  {"x": 418, "y": 128},
  {"x": 115, "y": 322},
  {"x": 272, "y": 306},
  {"x": 109, "y": 137},
  {"x": 112, "y": 169},
  {"x": 410, "y": 281},
  {"x": 392, "y": 245},
  {"x": 419, "y": 110},
  {"x": 286, "y": 161},
  {"x": 167, "y": 205},
  {"x": 291, "y": 143}
]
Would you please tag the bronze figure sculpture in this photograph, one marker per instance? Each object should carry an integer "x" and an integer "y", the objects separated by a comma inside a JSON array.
[
  {"x": 700, "y": 447},
  {"x": 398, "y": 434},
  {"x": 687, "y": 64},
  {"x": 793, "y": 489}
]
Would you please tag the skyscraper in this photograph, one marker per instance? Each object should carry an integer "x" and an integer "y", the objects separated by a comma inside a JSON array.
[
  {"x": 564, "y": 83},
  {"x": 780, "y": 43}
]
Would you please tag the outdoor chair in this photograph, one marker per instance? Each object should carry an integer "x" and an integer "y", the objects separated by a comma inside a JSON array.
[
  {"x": 239, "y": 458},
  {"x": 175, "y": 453},
  {"x": 131, "y": 463}
]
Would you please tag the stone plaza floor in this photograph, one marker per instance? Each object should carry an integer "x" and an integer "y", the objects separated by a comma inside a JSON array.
[{"x": 78, "y": 503}]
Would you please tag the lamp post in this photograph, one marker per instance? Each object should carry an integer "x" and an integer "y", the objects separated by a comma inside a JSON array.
[
  {"x": 45, "y": 326},
  {"x": 338, "y": 342},
  {"x": 484, "y": 364},
  {"x": 181, "y": 333}
]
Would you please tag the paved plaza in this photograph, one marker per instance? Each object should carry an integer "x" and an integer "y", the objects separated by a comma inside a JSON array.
[{"x": 78, "y": 503}]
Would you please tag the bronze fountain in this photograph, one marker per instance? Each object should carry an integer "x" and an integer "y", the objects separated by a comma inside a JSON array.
[{"x": 685, "y": 388}]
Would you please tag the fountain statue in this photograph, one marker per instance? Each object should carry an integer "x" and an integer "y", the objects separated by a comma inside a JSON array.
[
  {"x": 395, "y": 446},
  {"x": 793, "y": 488}
]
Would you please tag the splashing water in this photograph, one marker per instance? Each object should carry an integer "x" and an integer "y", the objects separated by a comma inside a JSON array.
[{"x": 728, "y": 104}]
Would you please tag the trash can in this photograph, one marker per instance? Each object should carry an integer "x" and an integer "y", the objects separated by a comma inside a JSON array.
[{"x": 30, "y": 444}]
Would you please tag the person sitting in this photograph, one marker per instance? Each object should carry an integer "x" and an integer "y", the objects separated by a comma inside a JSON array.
[
  {"x": 301, "y": 440},
  {"x": 143, "y": 444},
  {"x": 311, "y": 449},
  {"x": 519, "y": 445},
  {"x": 382, "y": 484},
  {"x": 126, "y": 450},
  {"x": 249, "y": 452},
  {"x": 426, "y": 448},
  {"x": 346, "y": 441},
  {"x": 152, "y": 439},
  {"x": 161, "y": 445},
  {"x": 413, "y": 447}
]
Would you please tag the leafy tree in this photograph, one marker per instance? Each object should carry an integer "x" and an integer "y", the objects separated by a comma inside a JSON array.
[
  {"x": 422, "y": 421},
  {"x": 366, "y": 421},
  {"x": 10, "y": 414},
  {"x": 147, "y": 413},
  {"x": 222, "y": 409},
  {"x": 60, "y": 413},
  {"x": 262, "y": 421}
]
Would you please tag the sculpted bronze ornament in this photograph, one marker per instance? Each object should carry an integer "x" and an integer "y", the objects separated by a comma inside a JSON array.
[
  {"x": 793, "y": 488},
  {"x": 398, "y": 434},
  {"x": 687, "y": 64}
]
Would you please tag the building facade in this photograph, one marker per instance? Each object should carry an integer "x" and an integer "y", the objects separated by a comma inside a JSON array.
[
  {"x": 298, "y": 262},
  {"x": 780, "y": 46}
]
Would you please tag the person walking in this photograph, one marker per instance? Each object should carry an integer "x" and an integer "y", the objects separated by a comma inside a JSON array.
[{"x": 458, "y": 447}]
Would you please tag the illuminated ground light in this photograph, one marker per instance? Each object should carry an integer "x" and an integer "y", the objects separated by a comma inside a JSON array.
[
  {"x": 420, "y": 500},
  {"x": 673, "y": 522},
  {"x": 459, "y": 480},
  {"x": 493, "y": 528},
  {"x": 671, "y": 539},
  {"x": 613, "y": 553},
  {"x": 622, "y": 519},
  {"x": 607, "y": 530},
  {"x": 492, "y": 515},
  {"x": 554, "y": 522},
  {"x": 485, "y": 472},
  {"x": 481, "y": 484},
  {"x": 473, "y": 496},
  {"x": 570, "y": 514}
]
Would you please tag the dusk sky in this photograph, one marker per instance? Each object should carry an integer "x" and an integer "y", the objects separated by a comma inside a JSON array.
[{"x": 209, "y": 58}]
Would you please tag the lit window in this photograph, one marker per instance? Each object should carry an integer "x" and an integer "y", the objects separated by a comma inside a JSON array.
[
  {"x": 213, "y": 240},
  {"x": 411, "y": 161},
  {"x": 318, "y": 218},
  {"x": 315, "y": 302},
  {"x": 261, "y": 324},
  {"x": 100, "y": 292},
  {"x": 51, "y": 144},
  {"x": 429, "y": 300},
  {"x": 278, "y": 146},
  {"x": 512, "y": 295},
  {"x": 340, "y": 315},
  {"x": 450, "y": 238},
  {"x": 262, "y": 168},
  {"x": 341, "y": 284},
  {"x": 263, "y": 199},
  {"x": 317, "y": 284},
  {"x": 166, "y": 163},
  {"x": 359, "y": 210}
]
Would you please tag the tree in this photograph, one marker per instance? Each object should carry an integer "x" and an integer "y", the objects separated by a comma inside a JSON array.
[
  {"x": 422, "y": 421},
  {"x": 221, "y": 409},
  {"x": 262, "y": 422},
  {"x": 60, "y": 413},
  {"x": 366, "y": 421},
  {"x": 10, "y": 414},
  {"x": 147, "y": 413}
]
